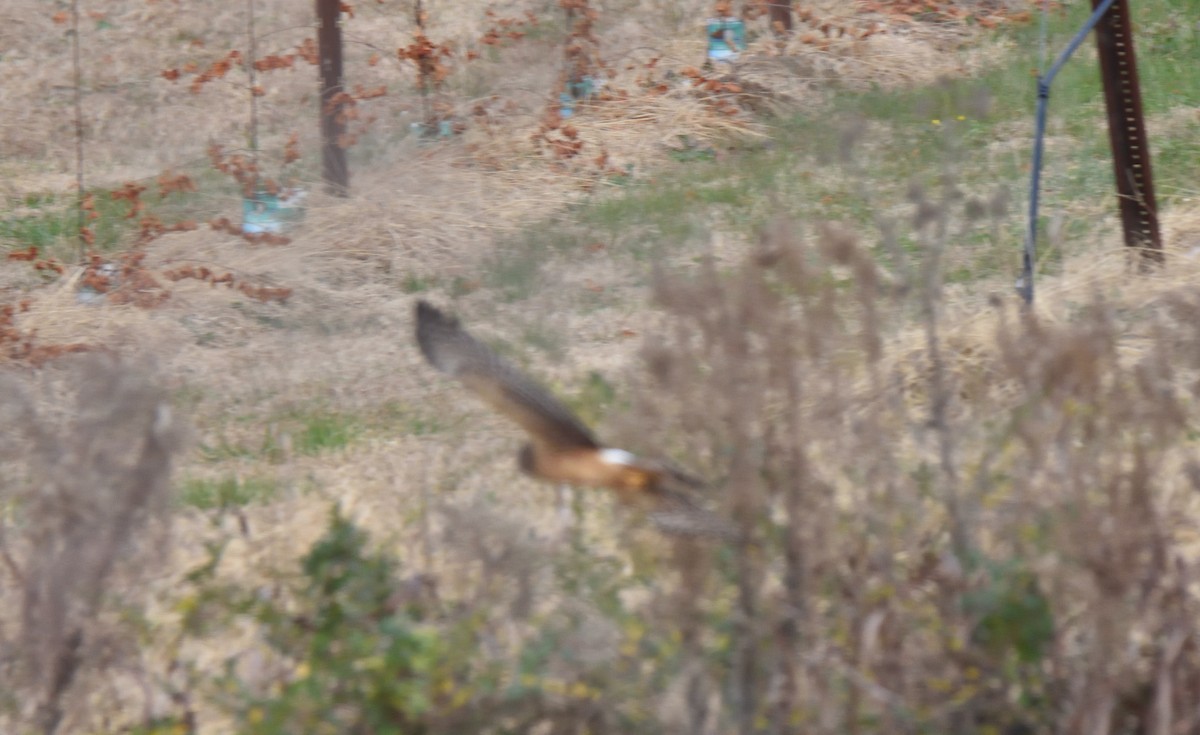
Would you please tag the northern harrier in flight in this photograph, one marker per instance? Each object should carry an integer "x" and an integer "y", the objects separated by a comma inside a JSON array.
[{"x": 561, "y": 449}]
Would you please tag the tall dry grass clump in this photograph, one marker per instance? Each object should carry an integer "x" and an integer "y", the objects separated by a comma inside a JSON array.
[
  {"x": 87, "y": 459},
  {"x": 943, "y": 532}
]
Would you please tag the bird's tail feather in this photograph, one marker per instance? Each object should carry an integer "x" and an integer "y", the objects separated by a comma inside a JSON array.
[{"x": 678, "y": 514}]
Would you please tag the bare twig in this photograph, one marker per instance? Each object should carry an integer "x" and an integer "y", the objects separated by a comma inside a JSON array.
[
  {"x": 939, "y": 391},
  {"x": 253, "y": 78},
  {"x": 13, "y": 568}
]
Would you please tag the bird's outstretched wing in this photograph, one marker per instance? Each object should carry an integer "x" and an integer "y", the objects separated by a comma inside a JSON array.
[
  {"x": 451, "y": 349},
  {"x": 564, "y": 449}
]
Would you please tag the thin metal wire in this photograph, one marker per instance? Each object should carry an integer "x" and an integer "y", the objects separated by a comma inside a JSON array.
[
  {"x": 250, "y": 70},
  {"x": 1024, "y": 284},
  {"x": 77, "y": 80},
  {"x": 1043, "y": 35}
]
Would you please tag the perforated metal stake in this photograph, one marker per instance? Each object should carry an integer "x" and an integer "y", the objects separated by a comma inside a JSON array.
[{"x": 1127, "y": 132}]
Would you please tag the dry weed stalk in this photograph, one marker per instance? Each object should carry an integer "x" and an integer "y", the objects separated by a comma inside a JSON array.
[
  {"x": 921, "y": 555},
  {"x": 428, "y": 58},
  {"x": 88, "y": 484}
]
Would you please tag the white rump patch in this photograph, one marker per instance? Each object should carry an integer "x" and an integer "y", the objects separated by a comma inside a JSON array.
[{"x": 618, "y": 456}]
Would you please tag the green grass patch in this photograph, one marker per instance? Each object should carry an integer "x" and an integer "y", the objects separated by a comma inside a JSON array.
[
  {"x": 1176, "y": 162},
  {"x": 593, "y": 399},
  {"x": 223, "y": 448},
  {"x": 325, "y": 431},
  {"x": 544, "y": 338},
  {"x": 50, "y": 222},
  {"x": 317, "y": 430},
  {"x": 515, "y": 273},
  {"x": 416, "y": 283},
  {"x": 228, "y": 492},
  {"x": 662, "y": 210},
  {"x": 395, "y": 417},
  {"x": 515, "y": 270},
  {"x": 312, "y": 430}
]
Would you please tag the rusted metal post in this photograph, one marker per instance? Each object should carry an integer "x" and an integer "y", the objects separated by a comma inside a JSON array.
[
  {"x": 333, "y": 124},
  {"x": 1127, "y": 132}
]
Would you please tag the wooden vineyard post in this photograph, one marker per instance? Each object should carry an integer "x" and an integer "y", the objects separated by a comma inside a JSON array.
[{"x": 333, "y": 124}]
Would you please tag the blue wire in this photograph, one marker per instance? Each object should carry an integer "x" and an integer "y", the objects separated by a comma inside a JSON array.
[{"x": 1025, "y": 282}]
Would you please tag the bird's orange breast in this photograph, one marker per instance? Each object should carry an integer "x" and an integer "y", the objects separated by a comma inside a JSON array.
[{"x": 588, "y": 467}]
